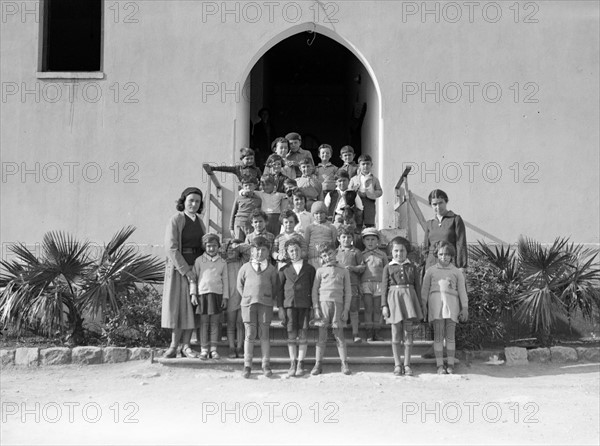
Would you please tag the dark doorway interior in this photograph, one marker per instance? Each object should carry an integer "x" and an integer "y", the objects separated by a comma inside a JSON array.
[{"x": 311, "y": 84}]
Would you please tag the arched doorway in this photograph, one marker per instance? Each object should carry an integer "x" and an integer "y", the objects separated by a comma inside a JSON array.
[{"x": 317, "y": 84}]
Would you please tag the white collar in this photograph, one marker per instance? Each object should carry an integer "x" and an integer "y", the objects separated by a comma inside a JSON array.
[
  {"x": 263, "y": 265},
  {"x": 395, "y": 262},
  {"x": 212, "y": 258}
]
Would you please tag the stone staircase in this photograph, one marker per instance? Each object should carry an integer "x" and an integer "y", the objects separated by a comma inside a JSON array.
[{"x": 367, "y": 353}]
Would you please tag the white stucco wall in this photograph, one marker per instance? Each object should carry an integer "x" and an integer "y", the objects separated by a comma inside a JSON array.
[{"x": 179, "y": 50}]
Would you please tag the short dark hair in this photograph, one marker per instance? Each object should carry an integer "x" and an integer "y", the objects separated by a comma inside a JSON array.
[
  {"x": 260, "y": 242},
  {"x": 342, "y": 174},
  {"x": 448, "y": 246},
  {"x": 400, "y": 241},
  {"x": 257, "y": 213},
  {"x": 277, "y": 141},
  {"x": 325, "y": 247},
  {"x": 288, "y": 213},
  {"x": 437, "y": 193},
  {"x": 365, "y": 158}
]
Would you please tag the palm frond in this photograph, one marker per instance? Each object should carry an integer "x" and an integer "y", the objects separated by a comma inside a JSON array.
[
  {"x": 503, "y": 258},
  {"x": 64, "y": 255}
]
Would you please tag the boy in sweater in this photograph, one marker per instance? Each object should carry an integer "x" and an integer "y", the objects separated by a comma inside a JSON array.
[
  {"x": 258, "y": 284},
  {"x": 240, "y": 224},
  {"x": 331, "y": 296}
]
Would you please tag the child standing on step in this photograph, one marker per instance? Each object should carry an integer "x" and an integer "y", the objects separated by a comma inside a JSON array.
[
  {"x": 240, "y": 224},
  {"x": 350, "y": 258},
  {"x": 368, "y": 187},
  {"x": 319, "y": 231},
  {"x": 295, "y": 299},
  {"x": 374, "y": 260},
  {"x": 331, "y": 296},
  {"x": 246, "y": 169},
  {"x": 289, "y": 221},
  {"x": 401, "y": 301},
  {"x": 210, "y": 294},
  {"x": 258, "y": 284},
  {"x": 445, "y": 299},
  {"x": 235, "y": 326}
]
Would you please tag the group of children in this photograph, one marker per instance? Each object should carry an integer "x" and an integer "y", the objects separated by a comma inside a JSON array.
[
  {"x": 251, "y": 278},
  {"x": 348, "y": 192},
  {"x": 308, "y": 245}
]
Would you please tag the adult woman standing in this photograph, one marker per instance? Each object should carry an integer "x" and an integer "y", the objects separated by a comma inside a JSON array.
[
  {"x": 183, "y": 243},
  {"x": 445, "y": 227}
]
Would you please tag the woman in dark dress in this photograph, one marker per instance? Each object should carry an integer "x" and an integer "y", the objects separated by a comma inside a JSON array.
[
  {"x": 183, "y": 243},
  {"x": 446, "y": 226}
]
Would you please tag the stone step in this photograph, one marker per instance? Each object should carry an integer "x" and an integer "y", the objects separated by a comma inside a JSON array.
[
  {"x": 371, "y": 348},
  {"x": 365, "y": 360}
]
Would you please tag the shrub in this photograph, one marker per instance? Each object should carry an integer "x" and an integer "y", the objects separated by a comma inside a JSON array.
[
  {"x": 138, "y": 323},
  {"x": 491, "y": 299}
]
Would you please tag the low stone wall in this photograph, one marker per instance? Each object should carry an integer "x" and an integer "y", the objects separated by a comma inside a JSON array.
[{"x": 34, "y": 356}]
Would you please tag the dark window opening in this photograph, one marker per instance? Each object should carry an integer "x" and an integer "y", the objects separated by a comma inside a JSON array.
[{"x": 72, "y": 35}]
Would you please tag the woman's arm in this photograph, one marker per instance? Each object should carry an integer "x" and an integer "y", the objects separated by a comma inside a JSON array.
[
  {"x": 172, "y": 247},
  {"x": 462, "y": 254}
]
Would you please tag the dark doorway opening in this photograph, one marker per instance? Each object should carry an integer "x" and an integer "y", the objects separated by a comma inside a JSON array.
[{"x": 312, "y": 85}]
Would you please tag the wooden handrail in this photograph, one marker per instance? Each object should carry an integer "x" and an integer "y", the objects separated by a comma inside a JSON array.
[{"x": 212, "y": 175}]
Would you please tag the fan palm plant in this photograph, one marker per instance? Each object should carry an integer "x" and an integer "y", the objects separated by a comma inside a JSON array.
[
  {"x": 54, "y": 291},
  {"x": 557, "y": 280}
]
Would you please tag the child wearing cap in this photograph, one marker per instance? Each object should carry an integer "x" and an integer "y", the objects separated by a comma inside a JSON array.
[
  {"x": 296, "y": 279},
  {"x": 347, "y": 156},
  {"x": 375, "y": 260},
  {"x": 210, "y": 293},
  {"x": 258, "y": 284},
  {"x": 350, "y": 258},
  {"x": 309, "y": 184},
  {"x": 247, "y": 168},
  {"x": 331, "y": 296},
  {"x": 343, "y": 198},
  {"x": 325, "y": 170},
  {"x": 272, "y": 202},
  {"x": 297, "y": 153},
  {"x": 368, "y": 187},
  {"x": 319, "y": 231},
  {"x": 240, "y": 223}
]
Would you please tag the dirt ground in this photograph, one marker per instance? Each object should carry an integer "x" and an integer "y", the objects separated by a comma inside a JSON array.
[{"x": 143, "y": 403}]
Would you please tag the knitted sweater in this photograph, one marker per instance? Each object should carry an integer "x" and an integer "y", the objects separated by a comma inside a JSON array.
[
  {"x": 375, "y": 260},
  {"x": 332, "y": 284},
  {"x": 258, "y": 287},
  {"x": 212, "y": 276}
]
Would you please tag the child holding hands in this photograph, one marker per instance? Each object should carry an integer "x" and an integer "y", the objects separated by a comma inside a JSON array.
[
  {"x": 401, "y": 303},
  {"x": 210, "y": 294},
  {"x": 445, "y": 300}
]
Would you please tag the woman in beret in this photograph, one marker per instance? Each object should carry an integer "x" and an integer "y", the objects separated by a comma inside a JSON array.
[{"x": 183, "y": 243}]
